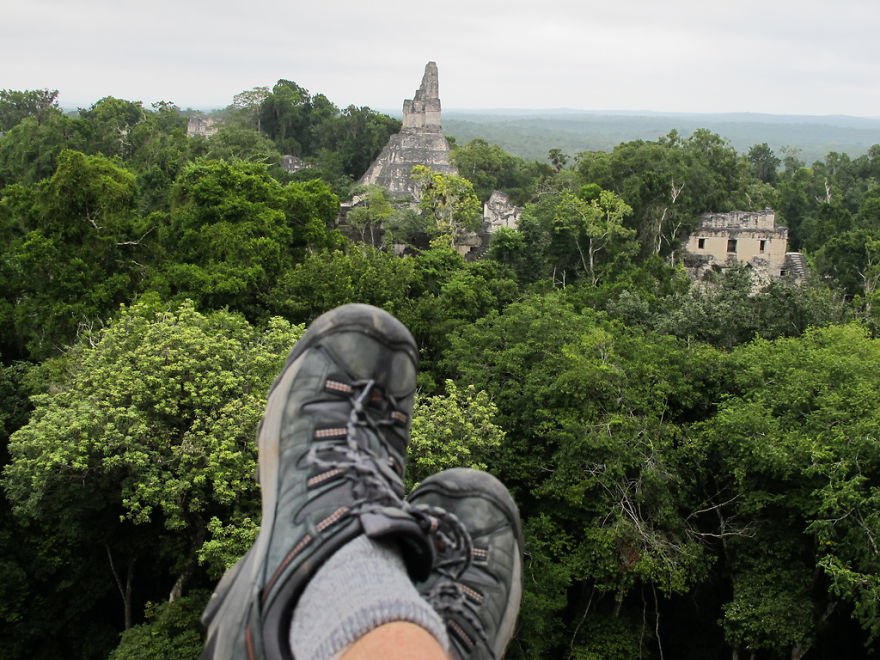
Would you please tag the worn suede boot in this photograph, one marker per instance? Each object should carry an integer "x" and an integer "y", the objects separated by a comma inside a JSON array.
[
  {"x": 476, "y": 582},
  {"x": 332, "y": 453}
]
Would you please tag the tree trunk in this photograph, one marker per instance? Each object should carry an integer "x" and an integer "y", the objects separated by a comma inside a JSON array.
[
  {"x": 125, "y": 591},
  {"x": 129, "y": 581},
  {"x": 657, "y": 621},
  {"x": 592, "y": 253},
  {"x": 581, "y": 622},
  {"x": 177, "y": 589},
  {"x": 799, "y": 651},
  {"x": 660, "y": 231},
  {"x": 580, "y": 250},
  {"x": 618, "y": 602}
]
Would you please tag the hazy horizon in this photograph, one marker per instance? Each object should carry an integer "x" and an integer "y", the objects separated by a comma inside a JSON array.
[{"x": 513, "y": 111}]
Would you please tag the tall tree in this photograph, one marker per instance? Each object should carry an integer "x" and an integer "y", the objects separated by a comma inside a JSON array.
[
  {"x": 794, "y": 450},
  {"x": 763, "y": 163},
  {"x": 77, "y": 251},
  {"x": 109, "y": 124},
  {"x": 29, "y": 151},
  {"x": 591, "y": 454},
  {"x": 16, "y": 105},
  {"x": 284, "y": 115},
  {"x": 357, "y": 135},
  {"x": 368, "y": 218},
  {"x": 594, "y": 226},
  {"x": 491, "y": 168},
  {"x": 450, "y": 203},
  {"x": 226, "y": 238},
  {"x": 247, "y": 105},
  {"x": 145, "y": 437}
]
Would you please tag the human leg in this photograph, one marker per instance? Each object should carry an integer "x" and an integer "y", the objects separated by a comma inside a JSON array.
[
  {"x": 396, "y": 641},
  {"x": 359, "y": 600}
]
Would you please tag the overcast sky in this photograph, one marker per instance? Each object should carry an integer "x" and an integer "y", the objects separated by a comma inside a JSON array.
[{"x": 776, "y": 56}]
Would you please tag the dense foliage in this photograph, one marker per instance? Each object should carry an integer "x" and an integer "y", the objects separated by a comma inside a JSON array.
[{"x": 697, "y": 465}]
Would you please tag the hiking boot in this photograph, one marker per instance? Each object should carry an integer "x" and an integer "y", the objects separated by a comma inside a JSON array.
[
  {"x": 476, "y": 582},
  {"x": 332, "y": 453}
]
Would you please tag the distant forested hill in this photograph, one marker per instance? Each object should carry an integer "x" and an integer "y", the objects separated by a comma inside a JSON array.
[{"x": 530, "y": 134}]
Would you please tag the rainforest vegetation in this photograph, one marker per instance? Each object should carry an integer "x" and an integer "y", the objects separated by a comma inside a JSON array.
[{"x": 697, "y": 464}]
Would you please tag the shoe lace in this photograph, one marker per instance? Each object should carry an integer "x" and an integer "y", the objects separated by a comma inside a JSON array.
[
  {"x": 373, "y": 491},
  {"x": 372, "y": 487},
  {"x": 454, "y": 547},
  {"x": 448, "y": 600}
]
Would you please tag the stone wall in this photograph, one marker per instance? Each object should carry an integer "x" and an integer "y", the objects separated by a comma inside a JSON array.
[{"x": 765, "y": 219}]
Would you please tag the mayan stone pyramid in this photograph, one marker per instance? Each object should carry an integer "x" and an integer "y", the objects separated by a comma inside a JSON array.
[{"x": 420, "y": 141}]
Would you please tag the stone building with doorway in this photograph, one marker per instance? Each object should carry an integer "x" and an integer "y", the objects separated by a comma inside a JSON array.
[{"x": 752, "y": 238}]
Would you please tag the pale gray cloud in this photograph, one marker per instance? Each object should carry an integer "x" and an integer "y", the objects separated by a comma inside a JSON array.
[{"x": 783, "y": 56}]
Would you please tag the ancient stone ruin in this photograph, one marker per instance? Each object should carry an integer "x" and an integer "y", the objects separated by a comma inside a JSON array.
[
  {"x": 201, "y": 126},
  {"x": 742, "y": 237},
  {"x": 499, "y": 213},
  {"x": 420, "y": 141},
  {"x": 291, "y": 164}
]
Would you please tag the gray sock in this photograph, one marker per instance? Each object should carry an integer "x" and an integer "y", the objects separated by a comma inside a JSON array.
[{"x": 362, "y": 586}]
